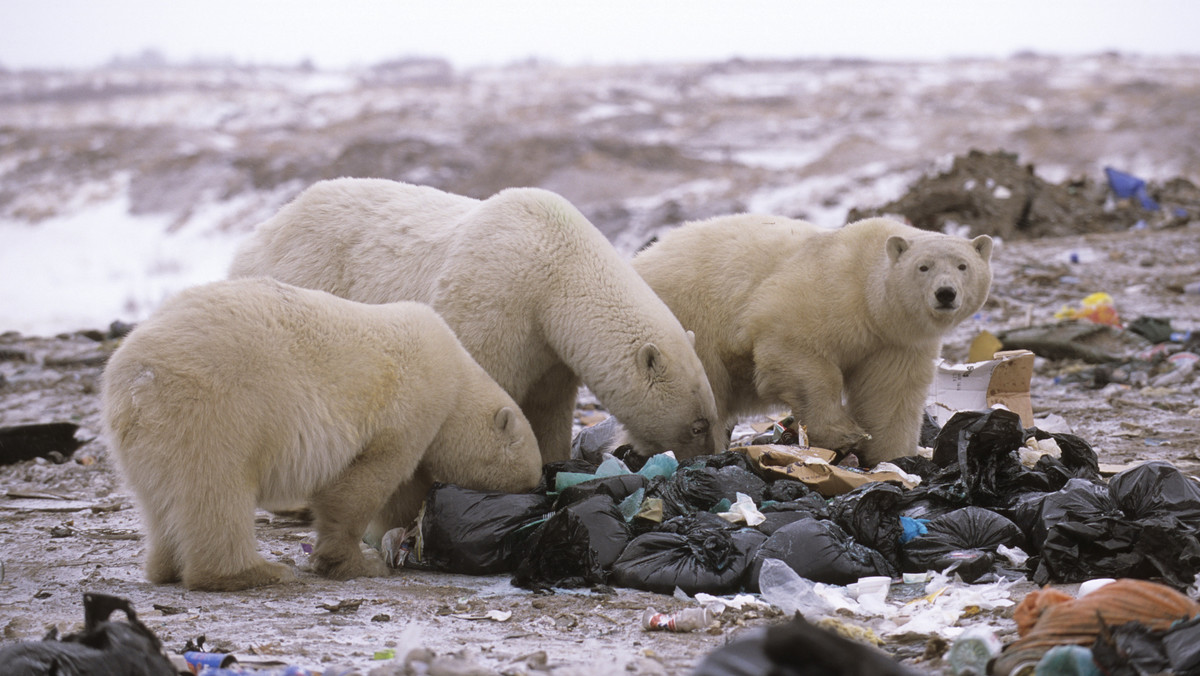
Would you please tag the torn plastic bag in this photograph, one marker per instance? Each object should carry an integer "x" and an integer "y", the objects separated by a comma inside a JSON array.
[
  {"x": 699, "y": 488},
  {"x": 871, "y": 515},
  {"x": 820, "y": 551},
  {"x": 617, "y": 488},
  {"x": 980, "y": 452},
  {"x": 918, "y": 465},
  {"x": 591, "y": 443},
  {"x": 694, "y": 554},
  {"x": 575, "y": 547},
  {"x": 798, "y": 648},
  {"x": 104, "y": 648},
  {"x": 1077, "y": 455},
  {"x": 476, "y": 532},
  {"x": 964, "y": 540}
]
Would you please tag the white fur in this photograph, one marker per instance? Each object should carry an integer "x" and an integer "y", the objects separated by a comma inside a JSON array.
[
  {"x": 789, "y": 314},
  {"x": 252, "y": 392},
  {"x": 533, "y": 290}
]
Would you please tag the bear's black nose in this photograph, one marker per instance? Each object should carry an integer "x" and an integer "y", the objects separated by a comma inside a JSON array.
[{"x": 945, "y": 295}]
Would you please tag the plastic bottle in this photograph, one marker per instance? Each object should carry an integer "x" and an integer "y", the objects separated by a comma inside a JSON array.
[
  {"x": 973, "y": 651},
  {"x": 688, "y": 619}
]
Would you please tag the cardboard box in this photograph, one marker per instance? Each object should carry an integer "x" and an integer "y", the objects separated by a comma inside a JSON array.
[{"x": 1003, "y": 380}]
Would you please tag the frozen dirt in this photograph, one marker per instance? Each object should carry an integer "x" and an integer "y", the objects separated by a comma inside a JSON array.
[{"x": 754, "y": 143}]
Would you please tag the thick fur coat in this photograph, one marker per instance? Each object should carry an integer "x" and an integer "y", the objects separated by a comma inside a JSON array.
[
  {"x": 841, "y": 326},
  {"x": 534, "y": 291},
  {"x": 253, "y": 393}
]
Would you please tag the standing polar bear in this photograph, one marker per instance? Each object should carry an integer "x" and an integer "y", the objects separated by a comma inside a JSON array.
[
  {"x": 534, "y": 291},
  {"x": 787, "y": 313},
  {"x": 252, "y": 392}
]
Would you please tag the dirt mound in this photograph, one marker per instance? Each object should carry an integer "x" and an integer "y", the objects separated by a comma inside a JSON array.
[{"x": 994, "y": 194}]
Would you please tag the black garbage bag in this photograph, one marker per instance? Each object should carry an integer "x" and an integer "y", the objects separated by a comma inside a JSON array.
[
  {"x": 575, "y": 547},
  {"x": 1182, "y": 644},
  {"x": 1083, "y": 534},
  {"x": 697, "y": 488},
  {"x": 785, "y": 490},
  {"x": 820, "y": 551},
  {"x": 476, "y": 532},
  {"x": 917, "y": 464},
  {"x": 692, "y": 553},
  {"x": 798, "y": 648},
  {"x": 104, "y": 647},
  {"x": 779, "y": 514},
  {"x": 591, "y": 443},
  {"x": 964, "y": 541},
  {"x": 929, "y": 431},
  {"x": 1077, "y": 455},
  {"x": 551, "y": 469},
  {"x": 871, "y": 515},
  {"x": 1159, "y": 491},
  {"x": 1140, "y": 525},
  {"x": 720, "y": 460},
  {"x": 617, "y": 488},
  {"x": 1131, "y": 648},
  {"x": 983, "y": 445}
]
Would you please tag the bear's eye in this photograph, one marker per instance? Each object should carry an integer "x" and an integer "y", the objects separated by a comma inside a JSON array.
[
  {"x": 962, "y": 266},
  {"x": 924, "y": 268}
]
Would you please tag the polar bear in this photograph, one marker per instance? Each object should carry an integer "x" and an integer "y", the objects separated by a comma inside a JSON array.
[
  {"x": 534, "y": 291},
  {"x": 841, "y": 325},
  {"x": 251, "y": 392}
]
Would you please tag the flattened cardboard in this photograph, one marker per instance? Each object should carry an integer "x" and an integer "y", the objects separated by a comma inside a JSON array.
[
  {"x": 979, "y": 385},
  {"x": 811, "y": 466}
]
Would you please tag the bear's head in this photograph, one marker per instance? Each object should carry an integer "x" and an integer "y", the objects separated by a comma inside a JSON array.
[
  {"x": 486, "y": 443},
  {"x": 936, "y": 281},
  {"x": 672, "y": 404}
]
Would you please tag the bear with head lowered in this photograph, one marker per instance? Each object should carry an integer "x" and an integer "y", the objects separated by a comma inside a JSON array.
[
  {"x": 534, "y": 291},
  {"x": 840, "y": 325},
  {"x": 251, "y": 393}
]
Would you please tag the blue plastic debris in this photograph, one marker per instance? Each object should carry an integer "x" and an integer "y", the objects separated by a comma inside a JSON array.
[{"x": 1128, "y": 186}]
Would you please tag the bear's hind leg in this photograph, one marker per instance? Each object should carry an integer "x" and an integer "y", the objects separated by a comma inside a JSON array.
[
  {"x": 217, "y": 543},
  {"x": 549, "y": 406},
  {"x": 162, "y": 552},
  {"x": 344, "y": 507}
]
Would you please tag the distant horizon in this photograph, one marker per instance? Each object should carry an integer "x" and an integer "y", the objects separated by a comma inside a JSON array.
[{"x": 82, "y": 34}]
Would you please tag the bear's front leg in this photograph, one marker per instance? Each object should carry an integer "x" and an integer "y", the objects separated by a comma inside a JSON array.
[
  {"x": 887, "y": 395},
  {"x": 345, "y": 506},
  {"x": 812, "y": 387}
]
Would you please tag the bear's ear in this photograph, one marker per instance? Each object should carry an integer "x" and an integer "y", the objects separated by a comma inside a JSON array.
[
  {"x": 983, "y": 244},
  {"x": 691, "y": 337},
  {"x": 506, "y": 419},
  {"x": 650, "y": 358},
  {"x": 897, "y": 245}
]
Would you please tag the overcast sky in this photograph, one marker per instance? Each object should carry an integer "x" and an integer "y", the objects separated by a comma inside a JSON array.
[{"x": 83, "y": 33}]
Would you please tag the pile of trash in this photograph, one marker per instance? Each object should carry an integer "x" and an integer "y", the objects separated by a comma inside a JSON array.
[
  {"x": 994, "y": 194},
  {"x": 994, "y": 501}
]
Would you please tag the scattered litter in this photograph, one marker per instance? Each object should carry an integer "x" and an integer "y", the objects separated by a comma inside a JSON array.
[
  {"x": 1003, "y": 380},
  {"x": 688, "y": 619},
  {"x": 1098, "y": 308}
]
